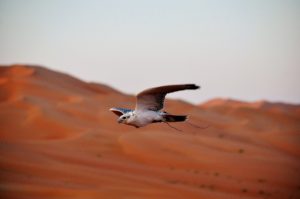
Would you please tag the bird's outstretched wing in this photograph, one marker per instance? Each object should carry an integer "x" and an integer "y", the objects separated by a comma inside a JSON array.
[
  {"x": 153, "y": 98},
  {"x": 120, "y": 111}
]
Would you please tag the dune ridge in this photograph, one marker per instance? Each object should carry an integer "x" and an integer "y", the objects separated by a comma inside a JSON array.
[{"x": 58, "y": 140}]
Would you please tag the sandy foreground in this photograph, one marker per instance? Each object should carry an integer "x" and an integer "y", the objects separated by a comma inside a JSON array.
[{"x": 58, "y": 140}]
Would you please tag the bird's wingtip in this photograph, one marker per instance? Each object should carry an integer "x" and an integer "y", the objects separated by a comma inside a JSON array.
[{"x": 193, "y": 86}]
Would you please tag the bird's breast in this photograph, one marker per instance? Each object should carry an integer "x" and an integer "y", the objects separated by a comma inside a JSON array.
[{"x": 142, "y": 118}]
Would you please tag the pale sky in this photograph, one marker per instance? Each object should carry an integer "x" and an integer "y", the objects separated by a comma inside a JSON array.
[{"x": 242, "y": 49}]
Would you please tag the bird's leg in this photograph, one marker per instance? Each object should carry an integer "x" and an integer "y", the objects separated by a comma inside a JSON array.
[
  {"x": 196, "y": 126},
  {"x": 173, "y": 127}
]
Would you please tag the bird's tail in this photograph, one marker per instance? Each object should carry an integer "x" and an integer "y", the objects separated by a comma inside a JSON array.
[{"x": 175, "y": 118}]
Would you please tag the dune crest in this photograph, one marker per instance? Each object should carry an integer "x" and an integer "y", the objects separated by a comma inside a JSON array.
[
  {"x": 58, "y": 140},
  {"x": 19, "y": 70}
]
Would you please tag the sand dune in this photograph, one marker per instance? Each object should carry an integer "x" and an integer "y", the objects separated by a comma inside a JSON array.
[{"x": 58, "y": 140}]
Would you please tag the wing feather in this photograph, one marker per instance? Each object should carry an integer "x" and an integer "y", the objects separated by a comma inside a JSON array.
[
  {"x": 120, "y": 111},
  {"x": 153, "y": 98}
]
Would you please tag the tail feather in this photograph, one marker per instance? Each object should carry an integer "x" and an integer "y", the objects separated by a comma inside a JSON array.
[{"x": 175, "y": 118}]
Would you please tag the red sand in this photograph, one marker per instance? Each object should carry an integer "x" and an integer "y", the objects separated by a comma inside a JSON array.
[{"x": 58, "y": 140}]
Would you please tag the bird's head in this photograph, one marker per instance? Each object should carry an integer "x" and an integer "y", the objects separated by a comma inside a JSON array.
[{"x": 124, "y": 118}]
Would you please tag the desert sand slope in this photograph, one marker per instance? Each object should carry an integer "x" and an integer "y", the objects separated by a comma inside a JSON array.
[{"x": 58, "y": 140}]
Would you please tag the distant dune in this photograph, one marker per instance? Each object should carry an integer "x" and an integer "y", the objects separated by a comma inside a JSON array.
[{"x": 58, "y": 140}]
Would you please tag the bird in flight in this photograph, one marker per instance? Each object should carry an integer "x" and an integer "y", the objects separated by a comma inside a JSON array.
[{"x": 149, "y": 107}]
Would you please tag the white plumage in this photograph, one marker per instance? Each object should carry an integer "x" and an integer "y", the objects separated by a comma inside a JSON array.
[{"x": 149, "y": 105}]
